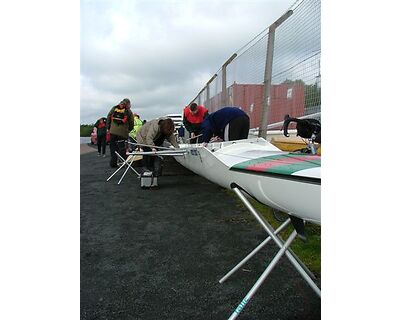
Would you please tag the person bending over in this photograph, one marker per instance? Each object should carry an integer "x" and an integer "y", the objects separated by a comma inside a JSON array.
[
  {"x": 228, "y": 124},
  {"x": 154, "y": 133},
  {"x": 193, "y": 116}
]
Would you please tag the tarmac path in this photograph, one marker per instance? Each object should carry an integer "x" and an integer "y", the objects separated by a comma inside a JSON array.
[
  {"x": 159, "y": 253},
  {"x": 85, "y": 148}
]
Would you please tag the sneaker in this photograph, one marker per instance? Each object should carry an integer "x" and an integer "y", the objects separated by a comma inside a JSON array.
[
  {"x": 104, "y": 155},
  {"x": 99, "y": 154}
]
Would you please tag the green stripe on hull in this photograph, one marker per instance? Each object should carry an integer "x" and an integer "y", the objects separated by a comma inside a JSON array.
[{"x": 285, "y": 164}]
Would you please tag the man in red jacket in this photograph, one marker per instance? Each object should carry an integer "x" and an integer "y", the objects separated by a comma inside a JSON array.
[
  {"x": 193, "y": 116},
  {"x": 101, "y": 135}
]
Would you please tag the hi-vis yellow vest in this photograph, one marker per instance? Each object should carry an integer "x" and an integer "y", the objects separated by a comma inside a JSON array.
[{"x": 137, "y": 125}]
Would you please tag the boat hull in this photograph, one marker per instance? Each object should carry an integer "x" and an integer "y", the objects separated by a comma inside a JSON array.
[{"x": 298, "y": 194}]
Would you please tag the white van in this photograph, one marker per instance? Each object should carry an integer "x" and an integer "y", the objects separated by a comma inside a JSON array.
[{"x": 177, "y": 118}]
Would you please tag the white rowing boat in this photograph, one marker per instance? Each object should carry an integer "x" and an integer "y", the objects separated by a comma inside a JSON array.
[{"x": 289, "y": 182}]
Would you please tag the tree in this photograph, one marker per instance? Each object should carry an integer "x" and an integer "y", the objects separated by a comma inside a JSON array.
[
  {"x": 312, "y": 93},
  {"x": 86, "y": 130}
]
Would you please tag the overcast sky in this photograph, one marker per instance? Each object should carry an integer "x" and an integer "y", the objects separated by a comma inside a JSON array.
[{"x": 159, "y": 54}]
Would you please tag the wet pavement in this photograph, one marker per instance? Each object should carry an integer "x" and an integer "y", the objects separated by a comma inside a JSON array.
[{"x": 159, "y": 253}]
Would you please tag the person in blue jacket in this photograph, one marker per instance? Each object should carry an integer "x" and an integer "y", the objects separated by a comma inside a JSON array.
[{"x": 228, "y": 123}]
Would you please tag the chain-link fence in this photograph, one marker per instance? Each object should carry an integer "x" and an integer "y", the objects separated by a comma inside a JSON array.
[{"x": 276, "y": 73}]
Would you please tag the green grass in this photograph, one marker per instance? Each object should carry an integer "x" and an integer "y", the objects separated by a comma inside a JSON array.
[
  {"x": 86, "y": 130},
  {"x": 309, "y": 252}
]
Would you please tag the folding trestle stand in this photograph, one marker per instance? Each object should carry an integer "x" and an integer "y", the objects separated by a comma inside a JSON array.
[
  {"x": 128, "y": 162},
  {"x": 283, "y": 250}
]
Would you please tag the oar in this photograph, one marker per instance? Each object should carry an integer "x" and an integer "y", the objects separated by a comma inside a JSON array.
[
  {"x": 161, "y": 153},
  {"x": 194, "y": 137},
  {"x": 150, "y": 146}
]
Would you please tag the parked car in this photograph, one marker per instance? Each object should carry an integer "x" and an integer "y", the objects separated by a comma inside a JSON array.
[{"x": 93, "y": 136}]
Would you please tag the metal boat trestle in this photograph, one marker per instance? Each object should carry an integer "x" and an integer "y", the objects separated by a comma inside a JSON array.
[
  {"x": 129, "y": 160},
  {"x": 283, "y": 250}
]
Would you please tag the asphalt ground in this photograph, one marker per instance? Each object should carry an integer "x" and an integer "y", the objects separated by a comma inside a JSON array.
[{"x": 159, "y": 253}]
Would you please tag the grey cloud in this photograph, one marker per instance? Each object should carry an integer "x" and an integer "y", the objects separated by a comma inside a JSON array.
[{"x": 166, "y": 55}]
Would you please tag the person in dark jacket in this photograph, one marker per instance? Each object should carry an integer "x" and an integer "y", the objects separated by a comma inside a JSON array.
[
  {"x": 193, "y": 116},
  {"x": 101, "y": 126},
  {"x": 120, "y": 122},
  {"x": 228, "y": 123}
]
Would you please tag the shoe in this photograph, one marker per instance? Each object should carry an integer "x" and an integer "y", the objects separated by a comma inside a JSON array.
[
  {"x": 104, "y": 155},
  {"x": 99, "y": 154}
]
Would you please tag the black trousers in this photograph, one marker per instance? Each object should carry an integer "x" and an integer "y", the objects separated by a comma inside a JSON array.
[
  {"x": 117, "y": 143},
  {"x": 239, "y": 128},
  {"x": 101, "y": 144},
  {"x": 154, "y": 163},
  {"x": 132, "y": 144}
]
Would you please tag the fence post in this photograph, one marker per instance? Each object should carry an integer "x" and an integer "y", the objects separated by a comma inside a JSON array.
[
  {"x": 262, "y": 132},
  {"x": 207, "y": 105},
  {"x": 224, "y": 93},
  {"x": 207, "y": 95}
]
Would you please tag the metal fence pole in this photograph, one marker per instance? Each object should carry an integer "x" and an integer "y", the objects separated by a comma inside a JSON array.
[
  {"x": 207, "y": 105},
  {"x": 224, "y": 92},
  {"x": 262, "y": 132}
]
